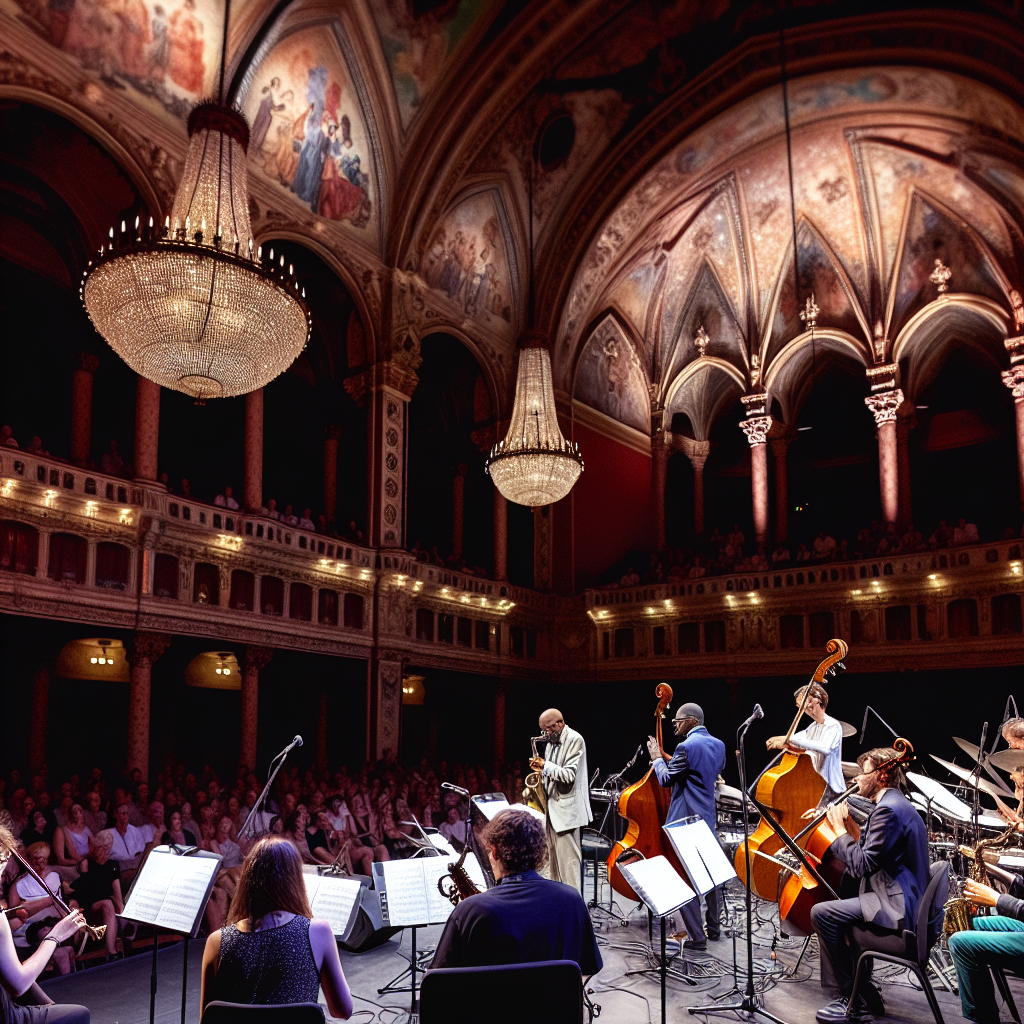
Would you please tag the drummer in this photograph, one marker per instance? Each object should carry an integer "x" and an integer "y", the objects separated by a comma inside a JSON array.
[
  {"x": 1013, "y": 733},
  {"x": 822, "y": 740}
]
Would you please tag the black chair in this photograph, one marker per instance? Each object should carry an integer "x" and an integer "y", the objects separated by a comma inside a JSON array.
[
  {"x": 1004, "y": 991},
  {"x": 595, "y": 847},
  {"x": 909, "y": 949},
  {"x": 510, "y": 993},
  {"x": 278, "y": 1013}
]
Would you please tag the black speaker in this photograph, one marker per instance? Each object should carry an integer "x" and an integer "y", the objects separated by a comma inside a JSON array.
[{"x": 369, "y": 930}]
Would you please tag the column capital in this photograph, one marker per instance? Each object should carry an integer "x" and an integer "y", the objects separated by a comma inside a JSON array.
[
  {"x": 1015, "y": 346},
  {"x": 661, "y": 445},
  {"x": 257, "y": 658},
  {"x": 697, "y": 460},
  {"x": 756, "y": 428},
  {"x": 884, "y": 405},
  {"x": 1014, "y": 380},
  {"x": 148, "y": 645},
  {"x": 389, "y": 373}
]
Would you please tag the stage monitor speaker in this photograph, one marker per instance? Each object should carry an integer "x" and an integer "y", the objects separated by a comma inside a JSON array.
[{"x": 369, "y": 930}]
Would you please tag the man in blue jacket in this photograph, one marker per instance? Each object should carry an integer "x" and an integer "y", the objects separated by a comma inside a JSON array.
[
  {"x": 691, "y": 773},
  {"x": 887, "y": 868}
]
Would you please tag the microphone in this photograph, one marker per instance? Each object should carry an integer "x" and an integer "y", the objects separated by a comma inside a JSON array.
[
  {"x": 757, "y": 713},
  {"x": 296, "y": 742},
  {"x": 454, "y": 788}
]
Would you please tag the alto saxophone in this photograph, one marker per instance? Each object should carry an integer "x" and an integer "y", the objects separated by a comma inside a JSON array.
[
  {"x": 958, "y": 908},
  {"x": 533, "y": 785},
  {"x": 460, "y": 885}
]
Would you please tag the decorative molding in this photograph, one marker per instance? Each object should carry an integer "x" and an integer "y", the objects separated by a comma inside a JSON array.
[
  {"x": 604, "y": 425},
  {"x": 756, "y": 428},
  {"x": 884, "y": 405},
  {"x": 1014, "y": 380}
]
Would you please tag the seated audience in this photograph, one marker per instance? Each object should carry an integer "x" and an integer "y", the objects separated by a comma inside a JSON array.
[
  {"x": 306, "y": 522},
  {"x": 128, "y": 842},
  {"x": 965, "y": 532},
  {"x": 36, "y": 447},
  {"x": 272, "y": 950},
  {"x": 227, "y": 499},
  {"x": 94, "y": 815},
  {"x": 454, "y": 829},
  {"x": 71, "y": 841},
  {"x": 97, "y": 890},
  {"x": 630, "y": 578},
  {"x": 7, "y": 437},
  {"x": 289, "y": 518},
  {"x": 524, "y": 918},
  {"x": 176, "y": 834},
  {"x": 36, "y": 830},
  {"x": 272, "y": 509}
]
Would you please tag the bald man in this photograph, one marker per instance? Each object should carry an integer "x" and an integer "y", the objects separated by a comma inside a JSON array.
[{"x": 567, "y": 786}]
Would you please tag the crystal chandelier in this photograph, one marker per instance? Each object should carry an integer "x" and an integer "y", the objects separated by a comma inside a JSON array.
[
  {"x": 192, "y": 307},
  {"x": 534, "y": 465}
]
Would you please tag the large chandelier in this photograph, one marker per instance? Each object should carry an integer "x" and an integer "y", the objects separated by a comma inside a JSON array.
[
  {"x": 192, "y": 307},
  {"x": 534, "y": 465}
]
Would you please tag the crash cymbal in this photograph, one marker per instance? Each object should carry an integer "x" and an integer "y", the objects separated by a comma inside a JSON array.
[
  {"x": 1008, "y": 760},
  {"x": 971, "y": 749},
  {"x": 848, "y": 730},
  {"x": 965, "y": 773}
]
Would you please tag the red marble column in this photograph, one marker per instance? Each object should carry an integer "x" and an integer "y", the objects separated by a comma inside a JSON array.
[
  {"x": 331, "y": 473},
  {"x": 904, "y": 424},
  {"x": 40, "y": 719},
  {"x": 459, "y": 509},
  {"x": 883, "y": 407},
  {"x": 146, "y": 648},
  {"x": 252, "y": 491},
  {"x": 500, "y": 535},
  {"x": 254, "y": 661},
  {"x": 780, "y": 448},
  {"x": 81, "y": 408},
  {"x": 756, "y": 428},
  {"x": 659, "y": 471},
  {"x": 147, "y": 428},
  {"x": 1014, "y": 380},
  {"x": 698, "y": 461}
]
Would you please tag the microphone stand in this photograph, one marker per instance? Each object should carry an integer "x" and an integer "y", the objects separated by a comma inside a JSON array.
[
  {"x": 275, "y": 766},
  {"x": 748, "y": 1002},
  {"x": 864, "y": 725}
]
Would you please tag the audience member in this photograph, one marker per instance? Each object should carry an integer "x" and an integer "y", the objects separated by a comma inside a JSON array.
[
  {"x": 272, "y": 509},
  {"x": 94, "y": 815},
  {"x": 127, "y": 842},
  {"x": 36, "y": 447},
  {"x": 306, "y": 522},
  {"x": 176, "y": 834},
  {"x": 226, "y": 500},
  {"x": 111, "y": 462},
  {"x": 7, "y": 437},
  {"x": 97, "y": 890},
  {"x": 289, "y": 518},
  {"x": 630, "y": 579}
]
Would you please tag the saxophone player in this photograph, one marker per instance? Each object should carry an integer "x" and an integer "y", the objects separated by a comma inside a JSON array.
[{"x": 566, "y": 786}]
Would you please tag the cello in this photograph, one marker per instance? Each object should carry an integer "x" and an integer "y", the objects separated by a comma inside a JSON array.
[
  {"x": 645, "y": 806},
  {"x": 786, "y": 789},
  {"x": 802, "y": 891}
]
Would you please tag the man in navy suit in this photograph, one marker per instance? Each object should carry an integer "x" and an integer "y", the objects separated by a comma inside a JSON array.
[
  {"x": 889, "y": 865},
  {"x": 695, "y": 766}
]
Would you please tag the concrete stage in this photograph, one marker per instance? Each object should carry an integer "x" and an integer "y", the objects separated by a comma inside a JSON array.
[{"x": 118, "y": 993}]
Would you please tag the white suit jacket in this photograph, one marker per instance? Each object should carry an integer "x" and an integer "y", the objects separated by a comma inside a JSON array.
[{"x": 567, "y": 782}]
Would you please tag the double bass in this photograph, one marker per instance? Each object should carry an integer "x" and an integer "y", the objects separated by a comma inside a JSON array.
[
  {"x": 786, "y": 789},
  {"x": 645, "y": 806}
]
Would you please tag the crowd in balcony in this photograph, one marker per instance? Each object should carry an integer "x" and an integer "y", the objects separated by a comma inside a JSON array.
[
  {"x": 87, "y": 836},
  {"x": 724, "y": 553}
]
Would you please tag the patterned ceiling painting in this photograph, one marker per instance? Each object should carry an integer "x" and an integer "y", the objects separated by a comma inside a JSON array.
[
  {"x": 165, "y": 51},
  {"x": 880, "y": 191},
  {"x": 609, "y": 377},
  {"x": 467, "y": 262},
  {"x": 418, "y": 41},
  {"x": 308, "y": 130}
]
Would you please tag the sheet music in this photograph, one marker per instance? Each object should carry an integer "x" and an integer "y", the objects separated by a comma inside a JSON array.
[
  {"x": 406, "y": 894},
  {"x": 334, "y": 899},
  {"x": 658, "y": 884},
  {"x": 439, "y": 907},
  {"x": 171, "y": 891},
  {"x": 700, "y": 853}
]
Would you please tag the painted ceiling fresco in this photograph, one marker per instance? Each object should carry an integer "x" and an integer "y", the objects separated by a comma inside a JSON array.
[
  {"x": 166, "y": 51},
  {"x": 704, "y": 241},
  {"x": 467, "y": 262},
  {"x": 308, "y": 131},
  {"x": 609, "y": 377},
  {"x": 418, "y": 40}
]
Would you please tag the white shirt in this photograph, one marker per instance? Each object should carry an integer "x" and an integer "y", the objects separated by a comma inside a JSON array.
[
  {"x": 224, "y": 502},
  {"x": 456, "y": 831},
  {"x": 824, "y": 743},
  {"x": 149, "y": 830},
  {"x": 306, "y": 524},
  {"x": 339, "y": 822},
  {"x": 129, "y": 845},
  {"x": 30, "y": 889}
]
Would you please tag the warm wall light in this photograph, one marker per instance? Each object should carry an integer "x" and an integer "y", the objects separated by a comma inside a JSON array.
[{"x": 214, "y": 670}]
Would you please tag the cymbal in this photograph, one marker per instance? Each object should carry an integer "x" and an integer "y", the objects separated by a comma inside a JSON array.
[
  {"x": 848, "y": 730},
  {"x": 971, "y": 749},
  {"x": 850, "y": 770},
  {"x": 963, "y": 773},
  {"x": 1008, "y": 760}
]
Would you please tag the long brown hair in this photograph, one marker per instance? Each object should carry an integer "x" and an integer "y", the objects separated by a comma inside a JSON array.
[{"x": 271, "y": 879}]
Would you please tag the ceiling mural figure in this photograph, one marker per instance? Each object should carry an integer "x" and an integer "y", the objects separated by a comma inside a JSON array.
[
  {"x": 167, "y": 50},
  {"x": 308, "y": 132},
  {"x": 609, "y": 377},
  {"x": 418, "y": 39}
]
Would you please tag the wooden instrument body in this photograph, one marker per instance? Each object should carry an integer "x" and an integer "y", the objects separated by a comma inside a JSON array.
[
  {"x": 788, "y": 790},
  {"x": 802, "y": 891},
  {"x": 645, "y": 806}
]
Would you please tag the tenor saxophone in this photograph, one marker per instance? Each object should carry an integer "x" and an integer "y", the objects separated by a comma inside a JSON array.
[
  {"x": 959, "y": 913},
  {"x": 533, "y": 785},
  {"x": 460, "y": 885}
]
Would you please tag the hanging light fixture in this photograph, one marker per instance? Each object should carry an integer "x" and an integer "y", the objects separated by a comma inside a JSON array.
[
  {"x": 534, "y": 465},
  {"x": 191, "y": 306}
]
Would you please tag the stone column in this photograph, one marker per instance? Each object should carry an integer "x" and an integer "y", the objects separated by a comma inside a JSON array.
[
  {"x": 499, "y": 722},
  {"x": 254, "y": 661},
  {"x": 81, "y": 408},
  {"x": 904, "y": 424},
  {"x": 224, "y": 591},
  {"x": 90, "y": 562},
  {"x": 500, "y": 535},
  {"x": 1014, "y": 380},
  {"x": 147, "y": 428},
  {"x": 883, "y": 406},
  {"x": 385, "y": 709},
  {"x": 542, "y": 548},
  {"x": 331, "y": 473},
  {"x": 40, "y": 719},
  {"x": 756, "y": 428},
  {"x": 458, "y": 508},
  {"x": 660, "y": 452},
  {"x": 698, "y": 461},
  {"x": 780, "y": 448},
  {"x": 252, "y": 490},
  {"x": 43, "y": 554},
  {"x": 146, "y": 648}
]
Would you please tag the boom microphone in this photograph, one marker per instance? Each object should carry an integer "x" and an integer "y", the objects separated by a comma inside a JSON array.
[
  {"x": 454, "y": 788},
  {"x": 757, "y": 713}
]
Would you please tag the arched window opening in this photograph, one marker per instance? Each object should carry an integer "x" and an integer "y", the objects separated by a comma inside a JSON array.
[
  {"x": 272, "y": 595},
  {"x": 243, "y": 590},
  {"x": 206, "y": 583},
  {"x": 67, "y": 558},
  {"x": 112, "y": 561},
  {"x": 300, "y": 602},
  {"x": 19, "y": 547}
]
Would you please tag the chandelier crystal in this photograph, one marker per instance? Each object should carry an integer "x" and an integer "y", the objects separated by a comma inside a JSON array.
[
  {"x": 534, "y": 465},
  {"x": 193, "y": 308}
]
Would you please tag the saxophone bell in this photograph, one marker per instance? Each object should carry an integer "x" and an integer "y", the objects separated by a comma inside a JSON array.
[{"x": 533, "y": 785}]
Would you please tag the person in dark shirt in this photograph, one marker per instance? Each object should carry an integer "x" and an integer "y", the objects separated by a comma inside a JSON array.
[
  {"x": 524, "y": 918},
  {"x": 97, "y": 890},
  {"x": 994, "y": 942}
]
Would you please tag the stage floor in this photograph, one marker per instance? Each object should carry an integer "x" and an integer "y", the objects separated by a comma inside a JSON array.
[{"x": 118, "y": 993}]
